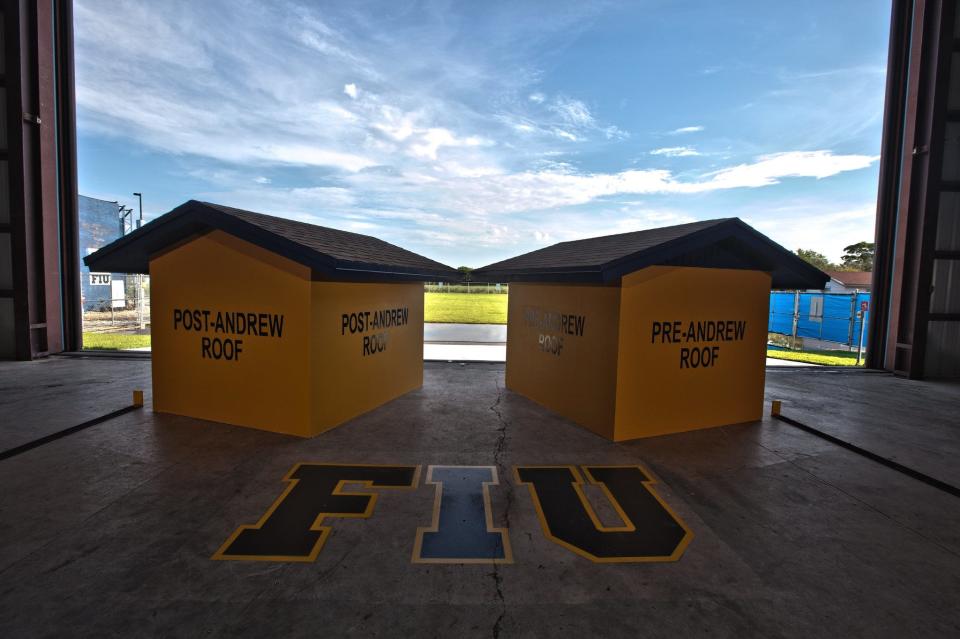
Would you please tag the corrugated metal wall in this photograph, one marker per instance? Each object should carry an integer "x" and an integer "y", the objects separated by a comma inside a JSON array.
[
  {"x": 943, "y": 330},
  {"x": 7, "y": 341},
  {"x": 40, "y": 185}
]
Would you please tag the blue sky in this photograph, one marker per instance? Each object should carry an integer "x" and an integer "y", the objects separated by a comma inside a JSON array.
[{"x": 474, "y": 131}]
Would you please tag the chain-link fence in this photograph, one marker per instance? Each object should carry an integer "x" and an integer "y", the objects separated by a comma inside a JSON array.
[
  {"x": 128, "y": 312},
  {"x": 832, "y": 318},
  {"x": 466, "y": 287}
]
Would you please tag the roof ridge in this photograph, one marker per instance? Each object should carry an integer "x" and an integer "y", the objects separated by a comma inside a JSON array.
[
  {"x": 711, "y": 222},
  {"x": 223, "y": 208},
  {"x": 282, "y": 219}
]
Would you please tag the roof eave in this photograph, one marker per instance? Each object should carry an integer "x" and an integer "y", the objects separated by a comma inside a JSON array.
[
  {"x": 787, "y": 270},
  {"x": 123, "y": 256}
]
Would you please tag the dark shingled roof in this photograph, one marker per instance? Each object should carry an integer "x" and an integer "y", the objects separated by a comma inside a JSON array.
[
  {"x": 723, "y": 243},
  {"x": 330, "y": 253}
]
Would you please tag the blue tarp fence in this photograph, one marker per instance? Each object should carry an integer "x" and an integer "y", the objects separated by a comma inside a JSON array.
[{"x": 832, "y": 317}]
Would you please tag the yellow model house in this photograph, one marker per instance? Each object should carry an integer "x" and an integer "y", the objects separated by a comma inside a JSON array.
[
  {"x": 647, "y": 333},
  {"x": 275, "y": 324}
]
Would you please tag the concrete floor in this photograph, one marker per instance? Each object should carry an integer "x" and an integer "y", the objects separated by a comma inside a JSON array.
[
  {"x": 880, "y": 412},
  {"x": 110, "y": 531},
  {"x": 465, "y": 333}
]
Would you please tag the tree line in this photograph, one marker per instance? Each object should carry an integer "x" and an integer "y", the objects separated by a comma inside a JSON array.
[{"x": 856, "y": 257}]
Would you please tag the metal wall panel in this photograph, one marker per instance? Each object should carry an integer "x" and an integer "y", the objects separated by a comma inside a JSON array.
[
  {"x": 953, "y": 98},
  {"x": 7, "y": 343},
  {"x": 39, "y": 129},
  {"x": 4, "y": 191},
  {"x": 948, "y": 223},
  {"x": 7, "y": 335},
  {"x": 951, "y": 152},
  {"x": 943, "y": 349},
  {"x": 943, "y": 331},
  {"x": 945, "y": 294},
  {"x": 6, "y": 264},
  {"x": 3, "y": 118}
]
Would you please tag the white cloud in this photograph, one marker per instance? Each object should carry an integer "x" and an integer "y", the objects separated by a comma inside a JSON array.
[
  {"x": 687, "y": 129},
  {"x": 133, "y": 33},
  {"x": 801, "y": 225},
  {"x": 306, "y": 155},
  {"x": 560, "y": 186},
  {"x": 676, "y": 151},
  {"x": 395, "y": 123},
  {"x": 612, "y": 132},
  {"x": 431, "y": 140},
  {"x": 569, "y": 226},
  {"x": 573, "y": 112},
  {"x": 256, "y": 96},
  {"x": 318, "y": 205},
  {"x": 770, "y": 169},
  {"x": 456, "y": 169},
  {"x": 416, "y": 155}
]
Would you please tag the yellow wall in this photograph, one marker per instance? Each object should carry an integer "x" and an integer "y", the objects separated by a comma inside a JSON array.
[
  {"x": 311, "y": 377},
  {"x": 267, "y": 385},
  {"x": 346, "y": 382},
  {"x": 579, "y": 381},
  {"x": 659, "y": 392}
]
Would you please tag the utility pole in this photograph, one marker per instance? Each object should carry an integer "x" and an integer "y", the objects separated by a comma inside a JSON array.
[
  {"x": 125, "y": 212},
  {"x": 796, "y": 320},
  {"x": 864, "y": 308},
  {"x": 140, "y": 275},
  {"x": 140, "y": 221}
]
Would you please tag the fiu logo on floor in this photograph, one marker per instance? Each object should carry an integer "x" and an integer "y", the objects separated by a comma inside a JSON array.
[{"x": 297, "y": 525}]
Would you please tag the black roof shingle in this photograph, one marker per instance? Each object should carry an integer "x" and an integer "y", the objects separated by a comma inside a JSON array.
[
  {"x": 330, "y": 253},
  {"x": 721, "y": 243}
]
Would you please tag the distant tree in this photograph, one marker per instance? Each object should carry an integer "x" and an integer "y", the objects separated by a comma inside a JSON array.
[
  {"x": 859, "y": 256},
  {"x": 817, "y": 259},
  {"x": 466, "y": 271}
]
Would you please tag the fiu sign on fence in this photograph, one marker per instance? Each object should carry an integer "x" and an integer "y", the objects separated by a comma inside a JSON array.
[{"x": 461, "y": 529}]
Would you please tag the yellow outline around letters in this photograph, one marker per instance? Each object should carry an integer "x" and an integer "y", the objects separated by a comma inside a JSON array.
[
  {"x": 316, "y": 525},
  {"x": 628, "y": 527},
  {"x": 435, "y": 522}
]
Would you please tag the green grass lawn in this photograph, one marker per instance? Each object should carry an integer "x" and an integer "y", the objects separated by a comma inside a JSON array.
[
  {"x": 827, "y": 358},
  {"x": 114, "y": 341},
  {"x": 463, "y": 308}
]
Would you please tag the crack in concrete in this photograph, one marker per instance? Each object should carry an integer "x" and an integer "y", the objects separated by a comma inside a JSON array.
[
  {"x": 498, "y": 580},
  {"x": 498, "y": 451}
]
